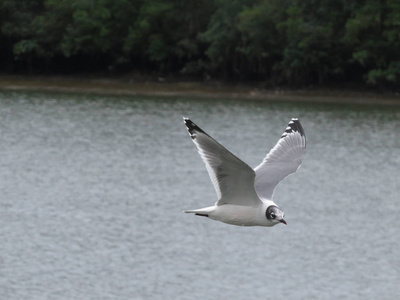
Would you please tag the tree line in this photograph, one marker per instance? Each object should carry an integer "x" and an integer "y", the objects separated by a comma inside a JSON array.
[{"x": 277, "y": 41}]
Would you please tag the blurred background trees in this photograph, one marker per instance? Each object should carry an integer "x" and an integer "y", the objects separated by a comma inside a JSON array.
[{"x": 291, "y": 42}]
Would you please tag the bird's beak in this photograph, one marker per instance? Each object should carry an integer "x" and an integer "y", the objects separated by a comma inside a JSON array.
[{"x": 283, "y": 221}]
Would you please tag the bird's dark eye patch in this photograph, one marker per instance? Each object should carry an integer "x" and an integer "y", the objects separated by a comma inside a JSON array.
[{"x": 270, "y": 214}]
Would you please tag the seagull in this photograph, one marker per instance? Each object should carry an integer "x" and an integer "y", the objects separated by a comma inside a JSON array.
[{"x": 245, "y": 194}]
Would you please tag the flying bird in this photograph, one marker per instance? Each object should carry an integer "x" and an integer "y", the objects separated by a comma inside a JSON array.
[{"x": 245, "y": 194}]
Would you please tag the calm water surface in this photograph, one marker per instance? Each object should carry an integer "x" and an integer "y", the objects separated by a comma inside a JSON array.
[{"x": 92, "y": 190}]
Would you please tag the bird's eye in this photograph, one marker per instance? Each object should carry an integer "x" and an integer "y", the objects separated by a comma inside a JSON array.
[{"x": 272, "y": 215}]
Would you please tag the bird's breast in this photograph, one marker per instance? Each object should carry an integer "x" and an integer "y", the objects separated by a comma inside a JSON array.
[{"x": 236, "y": 214}]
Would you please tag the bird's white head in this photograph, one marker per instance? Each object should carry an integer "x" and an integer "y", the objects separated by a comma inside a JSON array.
[{"x": 275, "y": 215}]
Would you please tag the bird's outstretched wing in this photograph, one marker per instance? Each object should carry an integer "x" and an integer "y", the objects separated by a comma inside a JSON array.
[
  {"x": 284, "y": 159},
  {"x": 233, "y": 179}
]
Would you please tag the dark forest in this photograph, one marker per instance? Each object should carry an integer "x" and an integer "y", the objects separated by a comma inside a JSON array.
[{"x": 276, "y": 41}]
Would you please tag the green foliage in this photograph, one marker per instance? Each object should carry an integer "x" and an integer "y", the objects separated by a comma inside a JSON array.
[
  {"x": 165, "y": 32},
  {"x": 279, "y": 41},
  {"x": 374, "y": 35},
  {"x": 222, "y": 37},
  {"x": 16, "y": 24},
  {"x": 262, "y": 42},
  {"x": 312, "y": 50}
]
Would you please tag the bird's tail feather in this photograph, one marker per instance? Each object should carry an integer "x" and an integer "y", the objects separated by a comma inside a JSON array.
[{"x": 200, "y": 212}]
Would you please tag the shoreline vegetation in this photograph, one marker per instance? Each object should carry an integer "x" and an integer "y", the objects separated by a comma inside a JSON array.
[
  {"x": 284, "y": 43},
  {"x": 197, "y": 89}
]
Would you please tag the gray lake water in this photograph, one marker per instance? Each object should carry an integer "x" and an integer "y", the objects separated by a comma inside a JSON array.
[{"x": 92, "y": 190}]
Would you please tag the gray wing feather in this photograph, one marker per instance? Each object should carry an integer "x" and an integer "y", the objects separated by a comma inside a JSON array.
[
  {"x": 232, "y": 178},
  {"x": 284, "y": 159}
]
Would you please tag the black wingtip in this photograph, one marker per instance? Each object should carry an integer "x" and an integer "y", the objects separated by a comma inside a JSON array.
[
  {"x": 294, "y": 126},
  {"x": 192, "y": 127}
]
